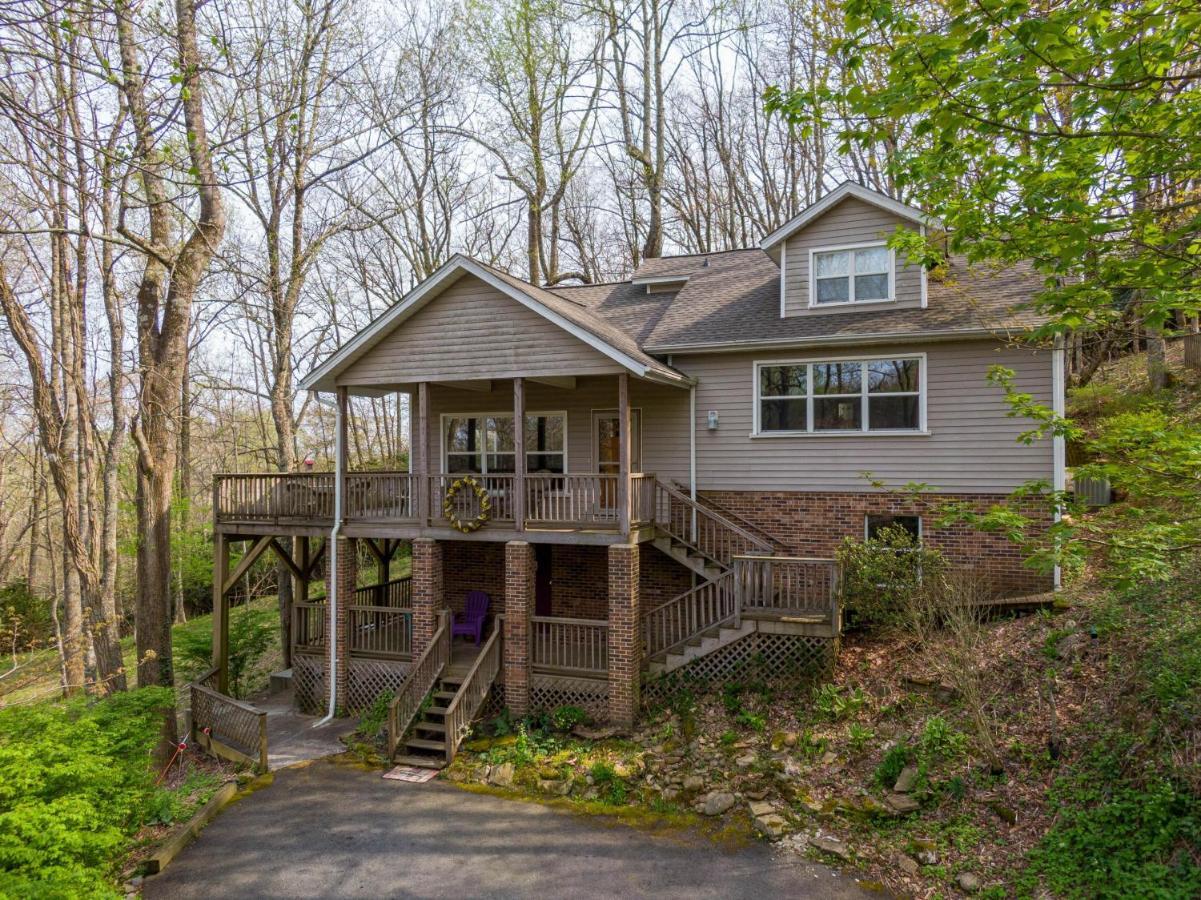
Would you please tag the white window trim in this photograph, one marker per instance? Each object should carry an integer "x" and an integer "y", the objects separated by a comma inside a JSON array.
[
  {"x": 921, "y": 527},
  {"x": 863, "y": 431},
  {"x": 495, "y": 414},
  {"x": 892, "y": 275},
  {"x": 593, "y": 455}
]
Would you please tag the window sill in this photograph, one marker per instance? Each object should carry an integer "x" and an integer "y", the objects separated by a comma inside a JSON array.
[
  {"x": 851, "y": 303},
  {"x": 838, "y": 434}
]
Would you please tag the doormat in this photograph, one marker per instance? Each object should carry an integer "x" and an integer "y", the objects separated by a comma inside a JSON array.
[{"x": 411, "y": 773}]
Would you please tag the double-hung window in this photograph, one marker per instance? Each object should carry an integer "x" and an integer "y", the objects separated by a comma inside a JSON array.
[
  {"x": 840, "y": 395},
  {"x": 852, "y": 275},
  {"x": 484, "y": 444}
]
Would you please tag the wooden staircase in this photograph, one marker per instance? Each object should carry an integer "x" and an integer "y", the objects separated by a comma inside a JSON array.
[
  {"x": 701, "y": 644},
  {"x": 688, "y": 556},
  {"x": 425, "y": 744}
]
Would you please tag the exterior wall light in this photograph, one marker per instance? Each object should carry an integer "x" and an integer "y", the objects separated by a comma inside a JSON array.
[{"x": 713, "y": 420}]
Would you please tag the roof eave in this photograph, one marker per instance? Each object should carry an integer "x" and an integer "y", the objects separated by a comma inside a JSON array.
[{"x": 883, "y": 337}]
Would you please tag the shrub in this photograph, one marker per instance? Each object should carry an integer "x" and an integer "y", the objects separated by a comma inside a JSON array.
[
  {"x": 881, "y": 575},
  {"x": 831, "y": 703},
  {"x": 891, "y": 765},
  {"x": 251, "y": 631},
  {"x": 565, "y": 718},
  {"x": 75, "y": 784}
]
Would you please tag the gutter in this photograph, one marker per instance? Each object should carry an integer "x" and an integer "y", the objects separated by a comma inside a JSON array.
[
  {"x": 834, "y": 340},
  {"x": 332, "y": 558}
]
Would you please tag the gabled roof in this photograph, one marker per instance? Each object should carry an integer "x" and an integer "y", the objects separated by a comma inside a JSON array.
[
  {"x": 574, "y": 318},
  {"x": 836, "y": 196}
]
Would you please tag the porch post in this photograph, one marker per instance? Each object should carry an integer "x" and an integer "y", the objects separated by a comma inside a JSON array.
[
  {"x": 221, "y": 611},
  {"x": 421, "y": 448},
  {"x": 519, "y": 454},
  {"x": 427, "y": 592},
  {"x": 300, "y": 590},
  {"x": 623, "y": 442},
  {"x": 625, "y": 635},
  {"x": 519, "y": 606},
  {"x": 347, "y": 554}
]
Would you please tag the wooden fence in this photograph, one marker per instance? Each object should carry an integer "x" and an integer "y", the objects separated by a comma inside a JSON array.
[
  {"x": 569, "y": 646},
  {"x": 227, "y": 727},
  {"x": 418, "y": 683},
  {"x": 380, "y": 631},
  {"x": 473, "y": 691}
]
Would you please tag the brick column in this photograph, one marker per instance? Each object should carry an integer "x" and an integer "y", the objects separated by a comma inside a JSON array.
[
  {"x": 428, "y": 598},
  {"x": 519, "y": 606},
  {"x": 348, "y": 575},
  {"x": 625, "y": 635}
]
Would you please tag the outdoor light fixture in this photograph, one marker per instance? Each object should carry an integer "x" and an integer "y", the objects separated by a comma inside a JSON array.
[{"x": 712, "y": 420}]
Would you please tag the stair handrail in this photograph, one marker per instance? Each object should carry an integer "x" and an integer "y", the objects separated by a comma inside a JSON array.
[
  {"x": 730, "y": 532},
  {"x": 406, "y": 703},
  {"x": 471, "y": 693},
  {"x": 665, "y": 630},
  {"x": 742, "y": 521}
]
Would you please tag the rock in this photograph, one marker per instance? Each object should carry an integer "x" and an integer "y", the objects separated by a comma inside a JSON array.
[
  {"x": 760, "y": 808},
  {"x": 901, "y": 804},
  {"x": 717, "y": 803},
  {"x": 791, "y": 738},
  {"x": 557, "y": 787},
  {"x": 623, "y": 770},
  {"x": 906, "y": 780},
  {"x": 968, "y": 883},
  {"x": 694, "y": 783},
  {"x": 927, "y": 857},
  {"x": 773, "y": 826},
  {"x": 807, "y": 801},
  {"x": 1071, "y": 646},
  {"x": 502, "y": 775},
  {"x": 907, "y": 864},
  {"x": 745, "y": 761},
  {"x": 670, "y": 794},
  {"x": 1005, "y": 813},
  {"x": 831, "y": 845},
  {"x": 828, "y": 757},
  {"x": 757, "y": 793}
]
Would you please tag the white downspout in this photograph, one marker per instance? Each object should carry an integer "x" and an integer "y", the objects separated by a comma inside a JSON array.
[
  {"x": 1059, "y": 447},
  {"x": 332, "y": 559},
  {"x": 692, "y": 452}
]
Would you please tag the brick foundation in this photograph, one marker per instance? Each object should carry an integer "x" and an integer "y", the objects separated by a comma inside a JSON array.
[
  {"x": 348, "y": 573},
  {"x": 814, "y": 524},
  {"x": 428, "y": 595},
  {"x": 625, "y": 634},
  {"x": 519, "y": 606}
]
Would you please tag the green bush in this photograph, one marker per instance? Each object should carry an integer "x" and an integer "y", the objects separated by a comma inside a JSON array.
[
  {"x": 25, "y": 622},
  {"x": 882, "y": 576},
  {"x": 565, "y": 718},
  {"x": 75, "y": 783},
  {"x": 251, "y": 631}
]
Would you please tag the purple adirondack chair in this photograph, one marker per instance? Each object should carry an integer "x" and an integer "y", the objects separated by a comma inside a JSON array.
[{"x": 470, "y": 621}]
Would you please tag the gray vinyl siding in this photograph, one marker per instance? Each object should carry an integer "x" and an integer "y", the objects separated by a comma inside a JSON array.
[
  {"x": 971, "y": 446},
  {"x": 473, "y": 331},
  {"x": 664, "y": 418},
  {"x": 850, "y": 222}
]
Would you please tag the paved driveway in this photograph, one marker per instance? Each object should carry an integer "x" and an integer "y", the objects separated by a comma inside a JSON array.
[{"x": 331, "y": 830}]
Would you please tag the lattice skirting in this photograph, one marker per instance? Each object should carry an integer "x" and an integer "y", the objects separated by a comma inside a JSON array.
[
  {"x": 779, "y": 658},
  {"x": 308, "y": 683},
  {"x": 494, "y": 702},
  {"x": 371, "y": 677},
  {"x": 550, "y": 691}
]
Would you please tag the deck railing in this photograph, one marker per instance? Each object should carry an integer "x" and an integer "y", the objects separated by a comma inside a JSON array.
[
  {"x": 384, "y": 632},
  {"x": 713, "y": 535},
  {"x": 309, "y": 623},
  {"x": 227, "y": 727},
  {"x": 418, "y": 683},
  {"x": 382, "y": 496},
  {"x": 588, "y": 499},
  {"x": 642, "y": 498},
  {"x": 270, "y": 497},
  {"x": 671, "y": 625},
  {"x": 569, "y": 646},
  {"x": 500, "y": 493},
  {"x": 788, "y": 584},
  {"x": 473, "y": 691},
  {"x": 397, "y": 593}
]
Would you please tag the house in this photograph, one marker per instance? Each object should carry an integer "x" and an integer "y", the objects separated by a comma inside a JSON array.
[{"x": 697, "y": 440}]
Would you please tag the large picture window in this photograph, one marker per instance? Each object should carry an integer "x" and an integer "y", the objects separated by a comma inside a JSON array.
[
  {"x": 840, "y": 396},
  {"x": 484, "y": 443},
  {"x": 851, "y": 275}
]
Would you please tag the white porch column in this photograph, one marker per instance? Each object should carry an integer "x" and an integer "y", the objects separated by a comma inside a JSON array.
[
  {"x": 421, "y": 449},
  {"x": 519, "y": 454},
  {"x": 623, "y": 443}
]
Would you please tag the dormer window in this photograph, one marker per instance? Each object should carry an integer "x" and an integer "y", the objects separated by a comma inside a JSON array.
[{"x": 844, "y": 275}]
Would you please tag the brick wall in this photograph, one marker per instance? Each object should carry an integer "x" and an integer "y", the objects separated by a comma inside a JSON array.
[
  {"x": 813, "y": 524},
  {"x": 473, "y": 566},
  {"x": 625, "y": 639},
  {"x": 428, "y": 591},
  {"x": 519, "y": 606},
  {"x": 348, "y": 570}
]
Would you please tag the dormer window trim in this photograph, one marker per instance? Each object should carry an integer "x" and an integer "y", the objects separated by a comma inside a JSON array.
[{"x": 814, "y": 252}]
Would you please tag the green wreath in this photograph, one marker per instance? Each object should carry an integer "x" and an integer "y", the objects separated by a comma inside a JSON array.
[{"x": 448, "y": 505}]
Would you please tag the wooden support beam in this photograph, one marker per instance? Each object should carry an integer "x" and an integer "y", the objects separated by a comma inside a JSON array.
[
  {"x": 286, "y": 558},
  {"x": 623, "y": 440},
  {"x": 221, "y": 611},
  {"x": 246, "y": 562},
  {"x": 566, "y": 382},
  {"x": 519, "y": 454},
  {"x": 314, "y": 561}
]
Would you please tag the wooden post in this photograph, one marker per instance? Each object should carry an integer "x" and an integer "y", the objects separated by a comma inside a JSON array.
[
  {"x": 519, "y": 454},
  {"x": 422, "y": 447},
  {"x": 221, "y": 611},
  {"x": 300, "y": 589},
  {"x": 623, "y": 442}
]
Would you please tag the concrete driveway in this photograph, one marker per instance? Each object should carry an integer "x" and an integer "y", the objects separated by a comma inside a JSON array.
[{"x": 330, "y": 830}]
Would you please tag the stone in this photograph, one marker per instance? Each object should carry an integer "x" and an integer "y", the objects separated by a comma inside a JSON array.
[
  {"x": 928, "y": 857},
  {"x": 901, "y": 804},
  {"x": 758, "y": 793},
  {"x": 907, "y": 864},
  {"x": 828, "y": 757},
  {"x": 502, "y": 775},
  {"x": 831, "y": 845},
  {"x": 717, "y": 803},
  {"x": 760, "y": 808},
  {"x": 558, "y": 787},
  {"x": 773, "y": 826},
  {"x": 670, "y": 794},
  {"x": 906, "y": 780},
  {"x": 694, "y": 783},
  {"x": 968, "y": 883},
  {"x": 1071, "y": 646},
  {"x": 745, "y": 761},
  {"x": 596, "y": 733},
  {"x": 791, "y": 738},
  {"x": 1005, "y": 813}
]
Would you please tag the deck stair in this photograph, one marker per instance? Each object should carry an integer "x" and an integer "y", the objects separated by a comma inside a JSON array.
[
  {"x": 425, "y": 744},
  {"x": 702, "y": 644},
  {"x": 688, "y": 556},
  {"x": 698, "y": 537}
]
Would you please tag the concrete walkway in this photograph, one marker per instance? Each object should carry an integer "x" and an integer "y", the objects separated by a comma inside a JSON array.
[
  {"x": 291, "y": 737},
  {"x": 332, "y": 830}
]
